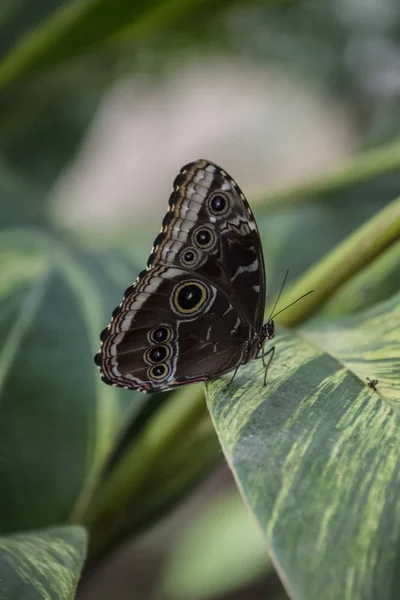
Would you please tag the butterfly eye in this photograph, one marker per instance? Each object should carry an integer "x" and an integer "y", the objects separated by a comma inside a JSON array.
[
  {"x": 158, "y": 372},
  {"x": 218, "y": 205},
  {"x": 157, "y": 354},
  {"x": 189, "y": 297},
  {"x": 271, "y": 330},
  {"x": 160, "y": 334},
  {"x": 204, "y": 237}
]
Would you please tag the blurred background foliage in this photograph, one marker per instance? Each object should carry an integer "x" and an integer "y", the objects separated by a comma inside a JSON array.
[{"x": 101, "y": 103}]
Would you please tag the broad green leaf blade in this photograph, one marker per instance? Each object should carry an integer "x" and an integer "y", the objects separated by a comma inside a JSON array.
[
  {"x": 42, "y": 565},
  {"x": 368, "y": 343},
  {"x": 220, "y": 551},
  {"x": 58, "y": 422},
  {"x": 316, "y": 456}
]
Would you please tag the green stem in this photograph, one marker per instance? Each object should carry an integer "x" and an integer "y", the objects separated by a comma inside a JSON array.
[
  {"x": 347, "y": 259},
  {"x": 364, "y": 167}
]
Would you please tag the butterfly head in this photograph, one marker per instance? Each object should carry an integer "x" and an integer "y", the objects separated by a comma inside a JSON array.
[{"x": 267, "y": 331}]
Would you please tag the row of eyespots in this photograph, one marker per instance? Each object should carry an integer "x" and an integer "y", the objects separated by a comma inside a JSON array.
[
  {"x": 161, "y": 351},
  {"x": 217, "y": 204},
  {"x": 204, "y": 238}
]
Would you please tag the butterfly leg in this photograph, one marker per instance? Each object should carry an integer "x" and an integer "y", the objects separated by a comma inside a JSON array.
[
  {"x": 266, "y": 365},
  {"x": 233, "y": 377}
]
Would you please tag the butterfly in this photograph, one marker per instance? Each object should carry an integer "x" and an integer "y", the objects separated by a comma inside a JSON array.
[{"x": 197, "y": 311}]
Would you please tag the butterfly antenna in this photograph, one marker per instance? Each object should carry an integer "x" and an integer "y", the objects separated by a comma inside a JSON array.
[
  {"x": 271, "y": 316},
  {"x": 291, "y": 304}
]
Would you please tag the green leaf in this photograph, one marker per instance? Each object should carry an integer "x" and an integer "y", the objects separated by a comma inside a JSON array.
[
  {"x": 79, "y": 27},
  {"x": 42, "y": 565},
  {"x": 21, "y": 205},
  {"x": 171, "y": 452},
  {"x": 55, "y": 298},
  {"x": 316, "y": 454},
  {"x": 56, "y": 416},
  {"x": 220, "y": 551},
  {"x": 42, "y": 123},
  {"x": 367, "y": 343}
]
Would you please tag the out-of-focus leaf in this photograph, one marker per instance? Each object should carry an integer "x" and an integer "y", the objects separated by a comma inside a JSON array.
[
  {"x": 58, "y": 420},
  {"x": 220, "y": 551},
  {"x": 55, "y": 298},
  {"x": 316, "y": 454},
  {"x": 77, "y": 28},
  {"x": 171, "y": 452},
  {"x": 183, "y": 466},
  {"x": 17, "y": 17},
  {"x": 20, "y": 204},
  {"x": 43, "y": 122},
  {"x": 43, "y": 564}
]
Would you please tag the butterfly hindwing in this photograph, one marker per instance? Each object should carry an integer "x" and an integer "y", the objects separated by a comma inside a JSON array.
[{"x": 168, "y": 332}]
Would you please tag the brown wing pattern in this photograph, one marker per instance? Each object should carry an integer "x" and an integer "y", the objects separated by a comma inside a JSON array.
[
  {"x": 234, "y": 260},
  {"x": 169, "y": 332},
  {"x": 190, "y": 315}
]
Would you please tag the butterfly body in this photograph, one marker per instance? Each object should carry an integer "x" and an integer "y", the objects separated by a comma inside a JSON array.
[{"x": 197, "y": 311}]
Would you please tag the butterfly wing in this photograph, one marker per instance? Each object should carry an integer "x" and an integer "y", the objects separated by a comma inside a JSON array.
[
  {"x": 173, "y": 329},
  {"x": 210, "y": 229},
  {"x": 190, "y": 316}
]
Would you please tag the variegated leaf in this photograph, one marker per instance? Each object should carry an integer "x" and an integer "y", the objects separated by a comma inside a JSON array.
[
  {"x": 42, "y": 565},
  {"x": 316, "y": 454}
]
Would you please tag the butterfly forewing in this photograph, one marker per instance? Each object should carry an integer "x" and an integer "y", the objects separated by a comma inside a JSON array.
[
  {"x": 192, "y": 314},
  {"x": 210, "y": 229}
]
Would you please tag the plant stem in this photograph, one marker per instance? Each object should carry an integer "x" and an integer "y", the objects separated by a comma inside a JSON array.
[
  {"x": 364, "y": 167},
  {"x": 348, "y": 258}
]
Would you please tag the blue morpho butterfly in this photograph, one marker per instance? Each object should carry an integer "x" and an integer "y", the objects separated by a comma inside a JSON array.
[{"x": 197, "y": 310}]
